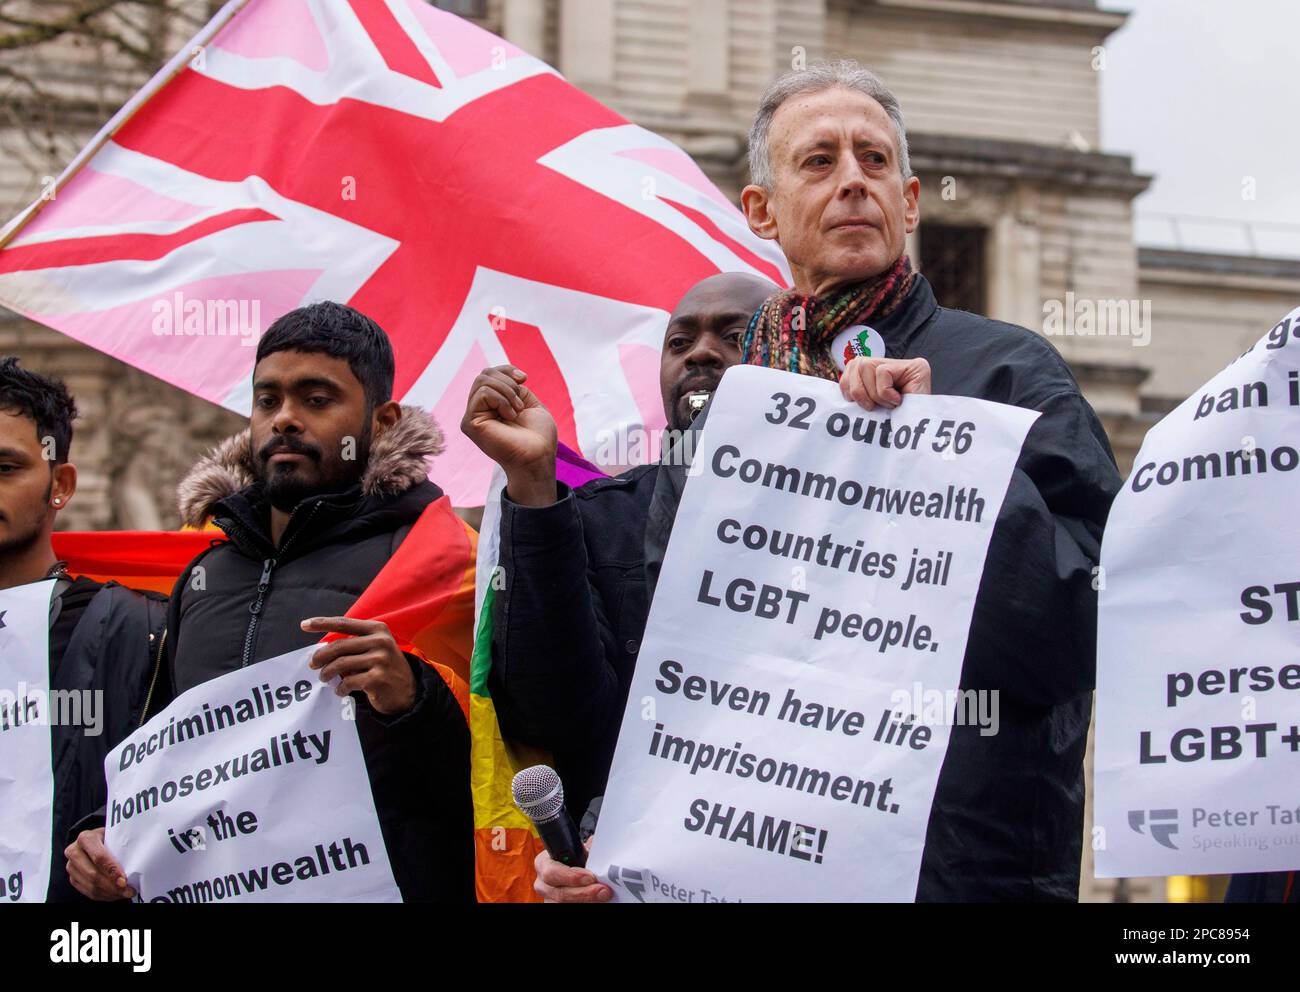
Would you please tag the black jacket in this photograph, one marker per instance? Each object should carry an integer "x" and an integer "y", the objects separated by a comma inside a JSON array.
[
  {"x": 253, "y": 596},
  {"x": 107, "y": 640},
  {"x": 1007, "y": 819}
]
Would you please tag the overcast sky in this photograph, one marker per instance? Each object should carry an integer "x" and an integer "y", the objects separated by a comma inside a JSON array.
[{"x": 1204, "y": 93}]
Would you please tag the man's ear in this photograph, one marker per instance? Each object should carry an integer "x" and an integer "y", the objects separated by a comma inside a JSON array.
[
  {"x": 386, "y": 415},
  {"x": 63, "y": 484},
  {"x": 757, "y": 204},
  {"x": 912, "y": 199}
]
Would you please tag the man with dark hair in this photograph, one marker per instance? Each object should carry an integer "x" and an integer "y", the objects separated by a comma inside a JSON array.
[
  {"x": 104, "y": 639},
  {"x": 341, "y": 332},
  {"x": 348, "y": 337},
  {"x": 315, "y": 497}
]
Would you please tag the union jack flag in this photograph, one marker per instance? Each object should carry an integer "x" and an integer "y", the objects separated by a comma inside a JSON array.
[{"x": 392, "y": 156}]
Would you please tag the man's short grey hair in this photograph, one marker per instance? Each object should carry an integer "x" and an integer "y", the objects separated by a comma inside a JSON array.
[{"x": 813, "y": 79}]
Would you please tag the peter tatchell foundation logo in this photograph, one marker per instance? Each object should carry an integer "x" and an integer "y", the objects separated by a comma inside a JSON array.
[
  {"x": 630, "y": 879},
  {"x": 1163, "y": 824}
]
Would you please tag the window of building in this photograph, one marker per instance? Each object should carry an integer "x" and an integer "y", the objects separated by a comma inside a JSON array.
[{"x": 953, "y": 259}]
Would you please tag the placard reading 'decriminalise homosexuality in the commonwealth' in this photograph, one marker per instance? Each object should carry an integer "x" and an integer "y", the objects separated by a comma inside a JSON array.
[
  {"x": 823, "y": 565},
  {"x": 251, "y": 787},
  {"x": 1197, "y": 763}
]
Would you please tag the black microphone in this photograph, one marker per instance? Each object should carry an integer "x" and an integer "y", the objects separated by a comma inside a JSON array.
[{"x": 539, "y": 793}]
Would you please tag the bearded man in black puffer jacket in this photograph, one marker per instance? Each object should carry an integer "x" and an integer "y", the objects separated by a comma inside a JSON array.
[{"x": 314, "y": 498}]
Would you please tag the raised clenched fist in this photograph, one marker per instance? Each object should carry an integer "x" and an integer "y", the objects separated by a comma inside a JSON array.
[{"x": 510, "y": 425}]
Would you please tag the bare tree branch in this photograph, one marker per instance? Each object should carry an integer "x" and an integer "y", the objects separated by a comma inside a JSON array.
[
  {"x": 66, "y": 64},
  {"x": 35, "y": 32}
]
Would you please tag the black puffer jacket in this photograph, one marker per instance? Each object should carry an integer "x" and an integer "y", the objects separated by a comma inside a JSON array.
[
  {"x": 1007, "y": 819},
  {"x": 253, "y": 596}
]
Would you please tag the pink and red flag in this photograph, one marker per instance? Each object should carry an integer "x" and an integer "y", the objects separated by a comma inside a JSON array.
[{"x": 395, "y": 157}]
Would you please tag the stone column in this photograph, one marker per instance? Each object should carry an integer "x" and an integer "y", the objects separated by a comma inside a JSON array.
[
  {"x": 523, "y": 23},
  {"x": 708, "y": 62},
  {"x": 1014, "y": 251},
  {"x": 587, "y": 43}
]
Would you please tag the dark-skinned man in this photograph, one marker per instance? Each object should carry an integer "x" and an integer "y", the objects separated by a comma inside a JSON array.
[
  {"x": 315, "y": 497},
  {"x": 580, "y": 564},
  {"x": 104, "y": 639}
]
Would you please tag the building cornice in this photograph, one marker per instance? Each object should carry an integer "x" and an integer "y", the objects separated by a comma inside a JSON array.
[
  {"x": 1058, "y": 14},
  {"x": 1110, "y": 373},
  {"x": 946, "y": 154},
  {"x": 1175, "y": 260},
  {"x": 936, "y": 154}
]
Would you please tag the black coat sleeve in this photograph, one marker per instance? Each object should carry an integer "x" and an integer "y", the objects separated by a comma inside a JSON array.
[
  {"x": 118, "y": 643},
  {"x": 1033, "y": 632},
  {"x": 553, "y": 681},
  {"x": 419, "y": 776}
]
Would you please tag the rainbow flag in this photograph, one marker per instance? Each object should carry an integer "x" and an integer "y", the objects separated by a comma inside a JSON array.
[
  {"x": 505, "y": 842},
  {"x": 425, "y": 593},
  {"x": 139, "y": 559}
]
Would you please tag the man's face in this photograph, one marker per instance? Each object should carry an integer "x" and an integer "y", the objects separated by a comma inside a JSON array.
[
  {"x": 838, "y": 205},
  {"x": 310, "y": 426},
  {"x": 703, "y": 339},
  {"x": 26, "y": 483}
]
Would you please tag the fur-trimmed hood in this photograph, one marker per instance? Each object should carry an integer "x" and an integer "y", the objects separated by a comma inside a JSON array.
[{"x": 398, "y": 460}]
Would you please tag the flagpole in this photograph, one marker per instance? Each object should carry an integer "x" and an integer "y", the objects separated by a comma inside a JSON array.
[{"x": 161, "y": 78}]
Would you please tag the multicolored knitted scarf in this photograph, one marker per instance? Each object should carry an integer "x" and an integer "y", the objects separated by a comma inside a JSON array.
[{"x": 794, "y": 332}]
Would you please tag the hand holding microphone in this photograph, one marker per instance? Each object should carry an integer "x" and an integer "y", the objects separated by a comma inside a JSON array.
[
  {"x": 561, "y": 868},
  {"x": 560, "y": 883}
]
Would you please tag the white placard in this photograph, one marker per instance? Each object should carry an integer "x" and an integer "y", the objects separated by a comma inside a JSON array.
[
  {"x": 818, "y": 585},
  {"x": 250, "y": 787},
  {"x": 26, "y": 765},
  {"x": 1198, "y": 644}
]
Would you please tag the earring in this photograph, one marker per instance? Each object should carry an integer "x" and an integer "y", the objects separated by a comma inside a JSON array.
[{"x": 58, "y": 501}]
